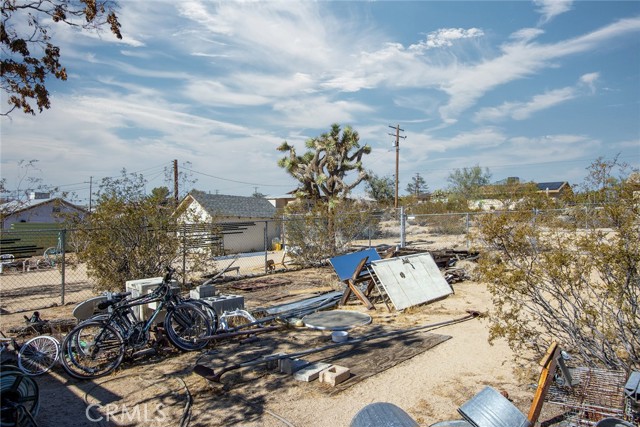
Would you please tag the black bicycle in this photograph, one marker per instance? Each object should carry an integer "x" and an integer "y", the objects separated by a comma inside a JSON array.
[{"x": 98, "y": 345}]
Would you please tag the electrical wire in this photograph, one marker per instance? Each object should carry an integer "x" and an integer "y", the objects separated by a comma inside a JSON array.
[{"x": 236, "y": 181}]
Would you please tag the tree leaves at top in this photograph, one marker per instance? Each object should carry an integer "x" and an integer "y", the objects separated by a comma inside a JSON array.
[
  {"x": 417, "y": 186},
  {"x": 466, "y": 182},
  {"x": 29, "y": 57},
  {"x": 323, "y": 169},
  {"x": 380, "y": 189},
  {"x": 129, "y": 235}
]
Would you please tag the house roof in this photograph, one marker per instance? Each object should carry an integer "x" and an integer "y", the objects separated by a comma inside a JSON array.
[
  {"x": 16, "y": 206},
  {"x": 239, "y": 206},
  {"x": 551, "y": 186}
]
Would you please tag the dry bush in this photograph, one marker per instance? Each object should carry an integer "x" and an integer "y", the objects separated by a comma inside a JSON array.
[{"x": 580, "y": 287}]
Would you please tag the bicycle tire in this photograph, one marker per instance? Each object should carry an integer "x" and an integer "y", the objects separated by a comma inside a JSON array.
[
  {"x": 212, "y": 316},
  {"x": 18, "y": 390},
  {"x": 91, "y": 350},
  {"x": 38, "y": 355},
  {"x": 184, "y": 324}
]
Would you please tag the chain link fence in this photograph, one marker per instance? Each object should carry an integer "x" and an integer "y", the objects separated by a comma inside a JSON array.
[{"x": 40, "y": 268}]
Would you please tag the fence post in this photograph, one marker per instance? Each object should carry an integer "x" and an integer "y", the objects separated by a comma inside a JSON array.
[
  {"x": 468, "y": 227},
  {"x": 62, "y": 234},
  {"x": 184, "y": 254},
  {"x": 403, "y": 224},
  {"x": 266, "y": 245}
]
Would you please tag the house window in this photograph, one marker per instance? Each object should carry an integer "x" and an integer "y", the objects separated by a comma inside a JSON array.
[{"x": 55, "y": 209}]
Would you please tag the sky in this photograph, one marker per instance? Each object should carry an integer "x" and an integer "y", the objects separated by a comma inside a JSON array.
[{"x": 530, "y": 89}]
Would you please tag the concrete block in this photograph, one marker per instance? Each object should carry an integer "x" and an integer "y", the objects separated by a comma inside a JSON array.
[
  {"x": 289, "y": 366},
  {"x": 335, "y": 375},
  {"x": 203, "y": 291},
  {"x": 274, "y": 363},
  {"x": 222, "y": 303},
  {"x": 311, "y": 372}
]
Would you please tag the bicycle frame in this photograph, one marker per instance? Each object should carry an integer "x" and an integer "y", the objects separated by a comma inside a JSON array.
[{"x": 124, "y": 318}]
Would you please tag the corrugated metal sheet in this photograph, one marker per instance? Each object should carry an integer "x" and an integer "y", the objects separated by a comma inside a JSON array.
[{"x": 411, "y": 280}]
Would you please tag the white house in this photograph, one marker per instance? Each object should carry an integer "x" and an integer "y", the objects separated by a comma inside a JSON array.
[
  {"x": 245, "y": 221},
  {"x": 39, "y": 208}
]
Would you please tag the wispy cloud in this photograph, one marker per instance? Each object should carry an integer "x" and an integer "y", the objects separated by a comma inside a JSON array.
[
  {"x": 552, "y": 8},
  {"x": 445, "y": 37},
  {"x": 520, "y": 59},
  {"x": 540, "y": 102}
]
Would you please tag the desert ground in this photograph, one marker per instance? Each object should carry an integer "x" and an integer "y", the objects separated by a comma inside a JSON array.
[{"x": 163, "y": 390}]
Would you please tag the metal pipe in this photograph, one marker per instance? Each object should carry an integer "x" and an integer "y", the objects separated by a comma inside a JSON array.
[
  {"x": 236, "y": 333},
  {"x": 210, "y": 375}
]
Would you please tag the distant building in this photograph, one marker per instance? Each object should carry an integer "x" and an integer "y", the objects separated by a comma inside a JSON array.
[
  {"x": 244, "y": 221},
  {"x": 504, "y": 194},
  {"x": 554, "y": 189},
  {"x": 280, "y": 202},
  {"x": 39, "y": 208}
]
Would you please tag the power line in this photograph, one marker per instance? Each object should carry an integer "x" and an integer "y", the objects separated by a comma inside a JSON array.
[{"x": 236, "y": 181}]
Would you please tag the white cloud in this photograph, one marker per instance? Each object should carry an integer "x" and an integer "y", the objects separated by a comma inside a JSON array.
[
  {"x": 317, "y": 111},
  {"x": 540, "y": 102},
  {"x": 215, "y": 93},
  {"x": 445, "y": 37},
  {"x": 524, "y": 110},
  {"x": 520, "y": 59},
  {"x": 552, "y": 8},
  {"x": 589, "y": 80}
]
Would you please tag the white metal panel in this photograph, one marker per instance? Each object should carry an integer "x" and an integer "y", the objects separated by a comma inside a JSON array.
[{"x": 411, "y": 280}]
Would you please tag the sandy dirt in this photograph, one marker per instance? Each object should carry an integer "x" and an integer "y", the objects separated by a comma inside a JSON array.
[{"x": 162, "y": 390}]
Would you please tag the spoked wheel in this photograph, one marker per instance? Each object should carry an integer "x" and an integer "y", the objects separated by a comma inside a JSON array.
[
  {"x": 38, "y": 355},
  {"x": 91, "y": 350},
  {"x": 212, "y": 316},
  {"x": 184, "y": 325},
  {"x": 19, "y": 398}
]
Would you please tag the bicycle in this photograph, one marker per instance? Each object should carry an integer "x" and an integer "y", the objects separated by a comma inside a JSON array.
[
  {"x": 98, "y": 345},
  {"x": 35, "y": 356}
]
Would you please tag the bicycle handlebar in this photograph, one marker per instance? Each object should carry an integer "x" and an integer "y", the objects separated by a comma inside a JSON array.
[{"x": 113, "y": 299}]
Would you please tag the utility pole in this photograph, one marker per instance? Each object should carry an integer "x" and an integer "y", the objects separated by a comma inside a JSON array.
[
  {"x": 90, "y": 192},
  {"x": 397, "y": 145},
  {"x": 175, "y": 181}
]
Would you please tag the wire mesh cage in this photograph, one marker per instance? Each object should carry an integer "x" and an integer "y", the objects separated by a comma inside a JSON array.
[{"x": 595, "y": 394}]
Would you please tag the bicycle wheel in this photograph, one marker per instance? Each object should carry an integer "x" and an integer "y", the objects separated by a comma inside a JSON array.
[
  {"x": 38, "y": 355},
  {"x": 91, "y": 350},
  {"x": 212, "y": 316},
  {"x": 19, "y": 398},
  {"x": 184, "y": 324}
]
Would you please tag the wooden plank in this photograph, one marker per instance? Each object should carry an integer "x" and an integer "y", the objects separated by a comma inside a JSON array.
[{"x": 549, "y": 364}]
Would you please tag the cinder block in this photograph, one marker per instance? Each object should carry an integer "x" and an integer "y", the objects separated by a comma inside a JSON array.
[
  {"x": 222, "y": 303},
  {"x": 202, "y": 291},
  {"x": 311, "y": 372},
  {"x": 335, "y": 375},
  {"x": 274, "y": 363},
  {"x": 289, "y": 366}
]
